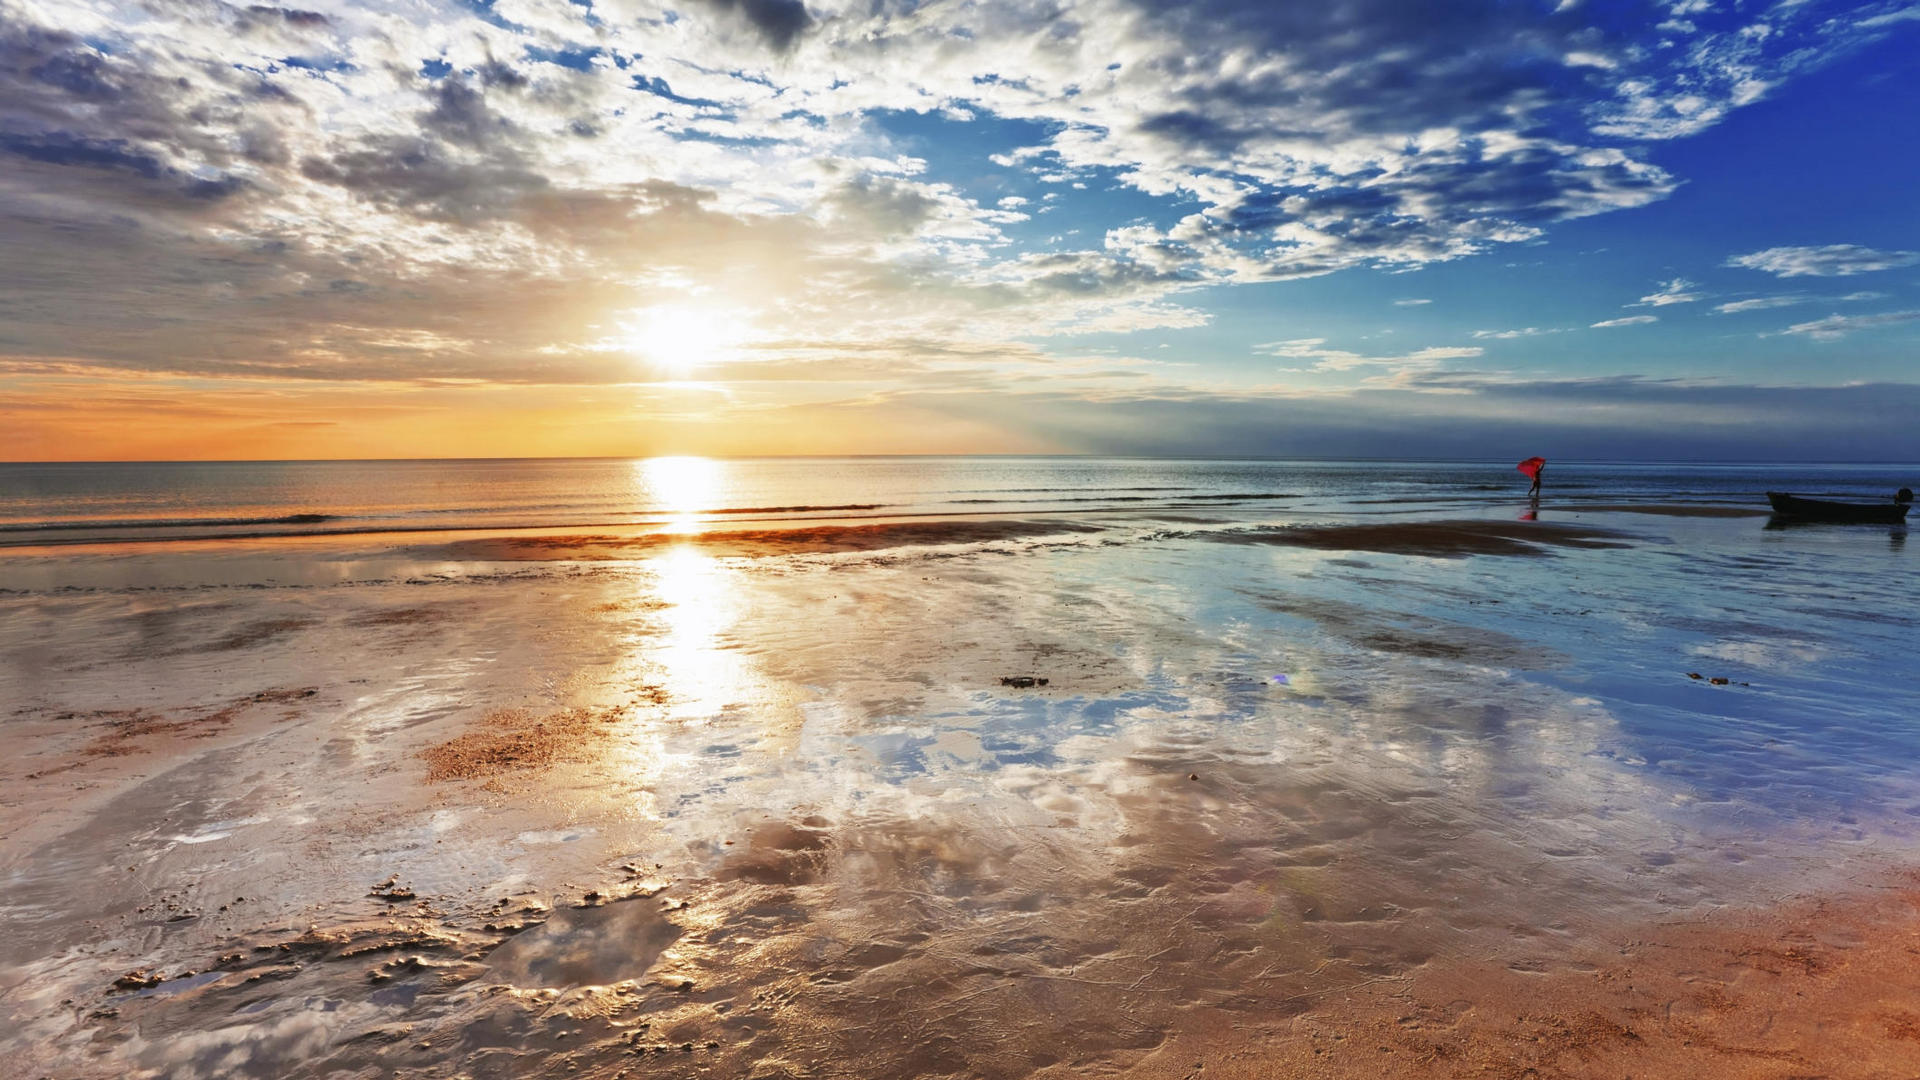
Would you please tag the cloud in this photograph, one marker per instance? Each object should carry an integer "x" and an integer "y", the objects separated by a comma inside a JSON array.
[
  {"x": 1899, "y": 14},
  {"x": 1832, "y": 260},
  {"x": 1509, "y": 335},
  {"x": 778, "y": 22},
  {"x": 1766, "y": 303},
  {"x": 1630, "y": 320},
  {"x": 1835, "y": 327},
  {"x": 1411, "y": 302},
  {"x": 343, "y": 194},
  {"x": 1677, "y": 291},
  {"x": 1397, "y": 368},
  {"x": 1760, "y": 303}
]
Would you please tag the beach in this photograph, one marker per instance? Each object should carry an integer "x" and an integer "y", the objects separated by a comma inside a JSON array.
[{"x": 882, "y": 768}]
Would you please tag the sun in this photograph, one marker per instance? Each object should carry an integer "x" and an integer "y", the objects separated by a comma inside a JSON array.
[{"x": 679, "y": 339}]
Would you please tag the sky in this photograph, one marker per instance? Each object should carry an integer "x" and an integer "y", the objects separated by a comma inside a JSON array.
[{"x": 1387, "y": 228}]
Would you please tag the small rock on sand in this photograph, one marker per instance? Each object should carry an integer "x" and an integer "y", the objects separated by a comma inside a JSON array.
[{"x": 139, "y": 979}]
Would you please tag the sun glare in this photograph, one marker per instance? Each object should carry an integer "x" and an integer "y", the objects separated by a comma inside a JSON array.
[
  {"x": 679, "y": 340},
  {"x": 680, "y": 486}
]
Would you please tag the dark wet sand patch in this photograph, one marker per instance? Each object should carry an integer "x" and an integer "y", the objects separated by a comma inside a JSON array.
[
  {"x": 1436, "y": 539},
  {"x": 1416, "y": 635},
  {"x": 256, "y": 633},
  {"x": 516, "y": 740},
  {"x": 632, "y": 606},
  {"x": 400, "y": 616},
  {"x": 818, "y": 539},
  {"x": 133, "y": 731},
  {"x": 1701, "y": 510}
]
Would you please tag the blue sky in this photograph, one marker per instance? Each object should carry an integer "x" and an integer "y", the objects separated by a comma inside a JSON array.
[{"x": 1672, "y": 228}]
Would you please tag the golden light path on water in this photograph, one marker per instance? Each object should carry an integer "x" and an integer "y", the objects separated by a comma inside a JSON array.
[
  {"x": 680, "y": 486},
  {"x": 694, "y": 599}
]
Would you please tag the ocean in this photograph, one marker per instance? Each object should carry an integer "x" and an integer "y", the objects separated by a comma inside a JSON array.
[{"x": 88, "y": 501}]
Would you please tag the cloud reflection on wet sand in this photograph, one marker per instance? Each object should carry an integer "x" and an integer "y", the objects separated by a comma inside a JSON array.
[{"x": 812, "y": 834}]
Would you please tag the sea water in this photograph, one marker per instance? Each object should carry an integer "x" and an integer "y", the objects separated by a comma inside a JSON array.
[{"x": 65, "y": 502}]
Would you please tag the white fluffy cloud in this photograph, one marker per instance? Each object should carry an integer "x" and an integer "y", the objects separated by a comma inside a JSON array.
[
  {"x": 1767, "y": 303},
  {"x": 1677, "y": 291},
  {"x": 1402, "y": 370},
  {"x": 440, "y": 190},
  {"x": 1630, "y": 320},
  {"x": 1510, "y": 335},
  {"x": 1831, "y": 260},
  {"x": 1835, "y": 327}
]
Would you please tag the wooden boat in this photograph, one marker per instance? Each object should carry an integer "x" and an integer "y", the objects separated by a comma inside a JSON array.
[{"x": 1792, "y": 506}]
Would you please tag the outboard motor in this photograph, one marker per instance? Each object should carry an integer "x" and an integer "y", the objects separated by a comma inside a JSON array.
[{"x": 1903, "y": 496}]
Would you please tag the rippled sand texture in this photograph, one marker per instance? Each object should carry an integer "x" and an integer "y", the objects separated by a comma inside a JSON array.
[{"x": 1344, "y": 800}]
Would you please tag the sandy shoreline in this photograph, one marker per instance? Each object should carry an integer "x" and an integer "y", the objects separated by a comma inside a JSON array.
[
  {"x": 1815, "y": 986},
  {"x": 628, "y": 965},
  {"x": 757, "y": 535},
  {"x": 1292, "y": 792}
]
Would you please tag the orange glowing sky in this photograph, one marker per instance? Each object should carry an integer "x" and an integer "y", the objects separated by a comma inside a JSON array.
[{"x": 625, "y": 228}]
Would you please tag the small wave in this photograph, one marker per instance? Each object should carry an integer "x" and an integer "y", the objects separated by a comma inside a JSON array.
[
  {"x": 608, "y": 507},
  {"x": 1057, "y": 500},
  {"x": 1046, "y": 490},
  {"x": 1171, "y": 500},
  {"x": 164, "y": 523},
  {"x": 794, "y": 509}
]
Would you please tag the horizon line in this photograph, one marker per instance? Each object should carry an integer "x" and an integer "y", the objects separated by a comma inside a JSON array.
[{"x": 955, "y": 456}]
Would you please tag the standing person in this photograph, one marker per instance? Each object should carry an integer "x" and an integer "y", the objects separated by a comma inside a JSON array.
[{"x": 1533, "y": 467}]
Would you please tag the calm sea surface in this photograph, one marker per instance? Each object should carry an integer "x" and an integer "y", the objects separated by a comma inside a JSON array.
[{"x": 66, "y": 503}]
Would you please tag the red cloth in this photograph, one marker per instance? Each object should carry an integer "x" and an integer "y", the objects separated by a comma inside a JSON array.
[{"x": 1531, "y": 466}]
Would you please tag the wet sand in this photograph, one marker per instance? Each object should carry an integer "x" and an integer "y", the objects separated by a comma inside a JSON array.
[
  {"x": 1825, "y": 986},
  {"x": 1434, "y": 538},
  {"x": 799, "y": 538},
  {"x": 1391, "y": 802}
]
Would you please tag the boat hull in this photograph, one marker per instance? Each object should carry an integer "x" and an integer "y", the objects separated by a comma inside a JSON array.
[{"x": 1793, "y": 506}]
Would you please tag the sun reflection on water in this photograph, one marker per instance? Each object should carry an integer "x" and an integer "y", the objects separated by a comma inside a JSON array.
[
  {"x": 681, "y": 487},
  {"x": 683, "y": 666},
  {"x": 702, "y": 673},
  {"x": 693, "y": 597}
]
